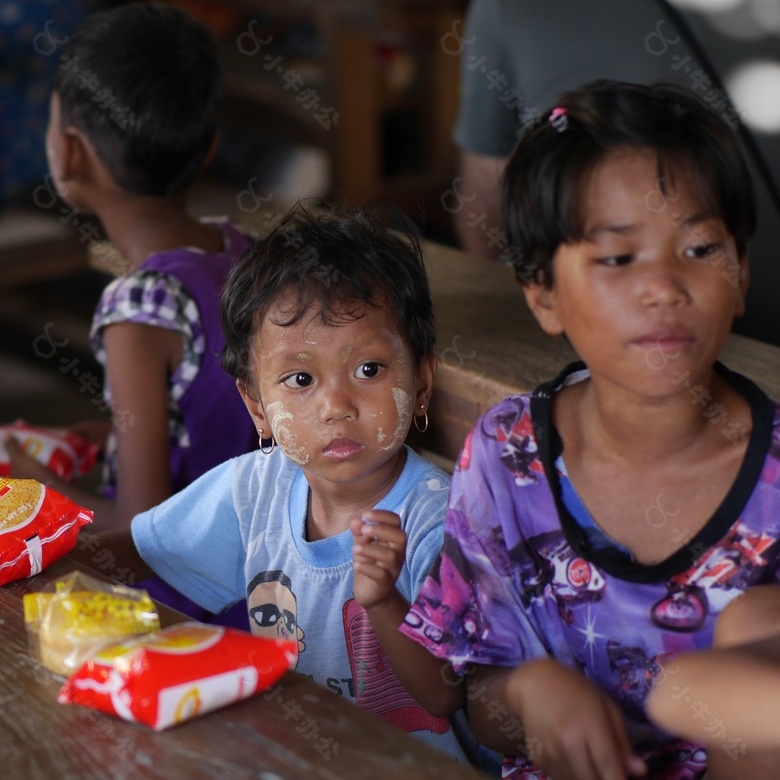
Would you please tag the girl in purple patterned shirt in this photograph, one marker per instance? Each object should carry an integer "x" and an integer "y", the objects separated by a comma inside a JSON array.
[{"x": 598, "y": 526}]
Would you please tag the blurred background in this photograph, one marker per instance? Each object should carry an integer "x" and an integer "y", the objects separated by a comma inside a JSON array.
[{"x": 327, "y": 98}]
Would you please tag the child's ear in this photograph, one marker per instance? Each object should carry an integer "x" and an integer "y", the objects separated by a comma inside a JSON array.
[
  {"x": 426, "y": 372},
  {"x": 254, "y": 407},
  {"x": 541, "y": 302},
  {"x": 74, "y": 158}
]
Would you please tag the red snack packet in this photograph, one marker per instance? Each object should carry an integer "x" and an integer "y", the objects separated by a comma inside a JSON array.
[
  {"x": 178, "y": 673},
  {"x": 64, "y": 453},
  {"x": 38, "y": 525}
]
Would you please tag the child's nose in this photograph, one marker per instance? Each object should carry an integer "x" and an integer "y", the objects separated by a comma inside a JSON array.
[
  {"x": 338, "y": 402},
  {"x": 664, "y": 284}
]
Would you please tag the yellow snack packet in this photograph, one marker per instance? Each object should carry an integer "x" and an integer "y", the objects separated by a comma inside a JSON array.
[{"x": 78, "y": 615}]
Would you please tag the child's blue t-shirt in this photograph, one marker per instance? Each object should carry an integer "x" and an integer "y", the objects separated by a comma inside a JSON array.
[{"x": 239, "y": 532}]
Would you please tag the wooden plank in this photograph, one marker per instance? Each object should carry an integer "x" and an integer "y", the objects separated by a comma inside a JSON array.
[{"x": 37, "y": 262}]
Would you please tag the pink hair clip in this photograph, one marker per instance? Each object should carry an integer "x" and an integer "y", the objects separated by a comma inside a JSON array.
[{"x": 558, "y": 118}]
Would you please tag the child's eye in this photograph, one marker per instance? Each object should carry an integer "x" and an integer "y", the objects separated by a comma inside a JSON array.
[
  {"x": 367, "y": 370},
  {"x": 614, "y": 260},
  {"x": 701, "y": 251},
  {"x": 301, "y": 379}
]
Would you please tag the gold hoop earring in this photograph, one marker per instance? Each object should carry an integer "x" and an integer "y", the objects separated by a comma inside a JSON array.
[
  {"x": 424, "y": 427},
  {"x": 262, "y": 438}
]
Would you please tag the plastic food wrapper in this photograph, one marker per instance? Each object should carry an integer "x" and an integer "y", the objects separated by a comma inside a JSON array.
[
  {"x": 179, "y": 673},
  {"x": 38, "y": 525},
  {"x": 64, "y": 453},
  {"x": 78, "y": 615}
]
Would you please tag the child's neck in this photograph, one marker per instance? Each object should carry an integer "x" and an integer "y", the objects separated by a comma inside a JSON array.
[
  {"x": 643, "y": 430},
  {"x": 141, "y": 226},
  {"x": 637, "y": 465},
  {"x": 332, "y": 507}
]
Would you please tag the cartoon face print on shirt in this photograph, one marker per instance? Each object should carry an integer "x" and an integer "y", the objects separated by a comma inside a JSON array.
[
  {"x": 273, "y": 609},
  {"x": 520, "y": 454}
]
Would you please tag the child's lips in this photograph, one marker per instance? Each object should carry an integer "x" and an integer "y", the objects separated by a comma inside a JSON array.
[
  {"x": 341, "y": 448},
  {"x": 667, "y": 339}
]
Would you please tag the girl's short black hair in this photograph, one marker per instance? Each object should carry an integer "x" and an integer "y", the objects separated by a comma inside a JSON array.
[
  {"x": 548, "y": 170},
  {"x": 143, "y": 83},
  {"x": 339, "y": 261}
]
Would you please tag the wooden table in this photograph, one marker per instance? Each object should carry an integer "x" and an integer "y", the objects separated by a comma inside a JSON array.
[
  {"x": 279, "y": 736},
  {"x": 490, "y": 346}
]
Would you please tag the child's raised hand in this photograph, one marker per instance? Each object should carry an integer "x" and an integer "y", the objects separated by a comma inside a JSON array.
[
  {"x": 379, "y": 548},
  {"x": 578, "y": 728}
]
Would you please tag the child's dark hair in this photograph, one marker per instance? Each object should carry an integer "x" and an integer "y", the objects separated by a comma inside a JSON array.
[
  {"x": 338, "y": 261},
  {"x": 143, "y": 83},
  {"x": 546, "y": 175}
]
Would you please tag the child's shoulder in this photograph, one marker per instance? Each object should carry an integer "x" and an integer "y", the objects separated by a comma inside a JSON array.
[
  {"x": 510, "y": 417},
  {"x": 141, "y": 294},
  {"x": 236, "y": 236},
  {"x": 526, "y": 412},
  {"x": 421, "y": 468}
]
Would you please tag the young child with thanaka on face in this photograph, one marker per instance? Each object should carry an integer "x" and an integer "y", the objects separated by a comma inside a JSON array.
[
  {"x": 133, "y": 119},
  {"x": 600, "y": 524},
  {"x": 330, "y": 528}
]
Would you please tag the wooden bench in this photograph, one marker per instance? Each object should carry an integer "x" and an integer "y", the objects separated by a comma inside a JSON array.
[{"x": 36, "y": 247}]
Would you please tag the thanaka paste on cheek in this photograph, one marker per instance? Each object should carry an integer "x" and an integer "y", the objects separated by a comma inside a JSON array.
[
  {"x": 279, "y": 418},
  {"x": 403, "y": 406}
]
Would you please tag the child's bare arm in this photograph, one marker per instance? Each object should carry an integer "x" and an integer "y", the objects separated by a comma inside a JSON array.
[
  {"x": 117, "y": 547},
  {"x": 572, "y": 729},
  {"x": 753, "y": 615},
  {"x": 738, "y": 680},
  {"x": 379, "y": 550},
  {"x": 739, "y": 686},
  {"x": 138, "y": 364}
]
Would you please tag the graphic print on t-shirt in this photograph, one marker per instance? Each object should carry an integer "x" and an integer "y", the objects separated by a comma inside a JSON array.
[
  {"x": 273, "y": 608},
  {"x": 377, "y": 689}
]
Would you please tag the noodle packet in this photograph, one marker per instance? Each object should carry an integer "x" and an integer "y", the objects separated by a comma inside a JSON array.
[
  {"x": 66, "y": 454},
  {"x": 78, "y": 615},
  {"x": 38, "y": 525},
  {"x": 179, "y": 673}
]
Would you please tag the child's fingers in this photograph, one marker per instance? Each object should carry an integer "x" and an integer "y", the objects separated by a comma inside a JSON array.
[
  {"x": 379, "y": 526},
  {"x": 629, "y": 761},
  {"x": 378, "y": 554},
  {"x": 390, "y": 537},
  {"x": 377, "y": 574},
  {"x": 612, "y": 753},
  {"x": 381, "y": 517}
]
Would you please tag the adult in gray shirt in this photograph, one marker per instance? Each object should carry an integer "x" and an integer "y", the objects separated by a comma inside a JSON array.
[{"x": 519, "y": 55}]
